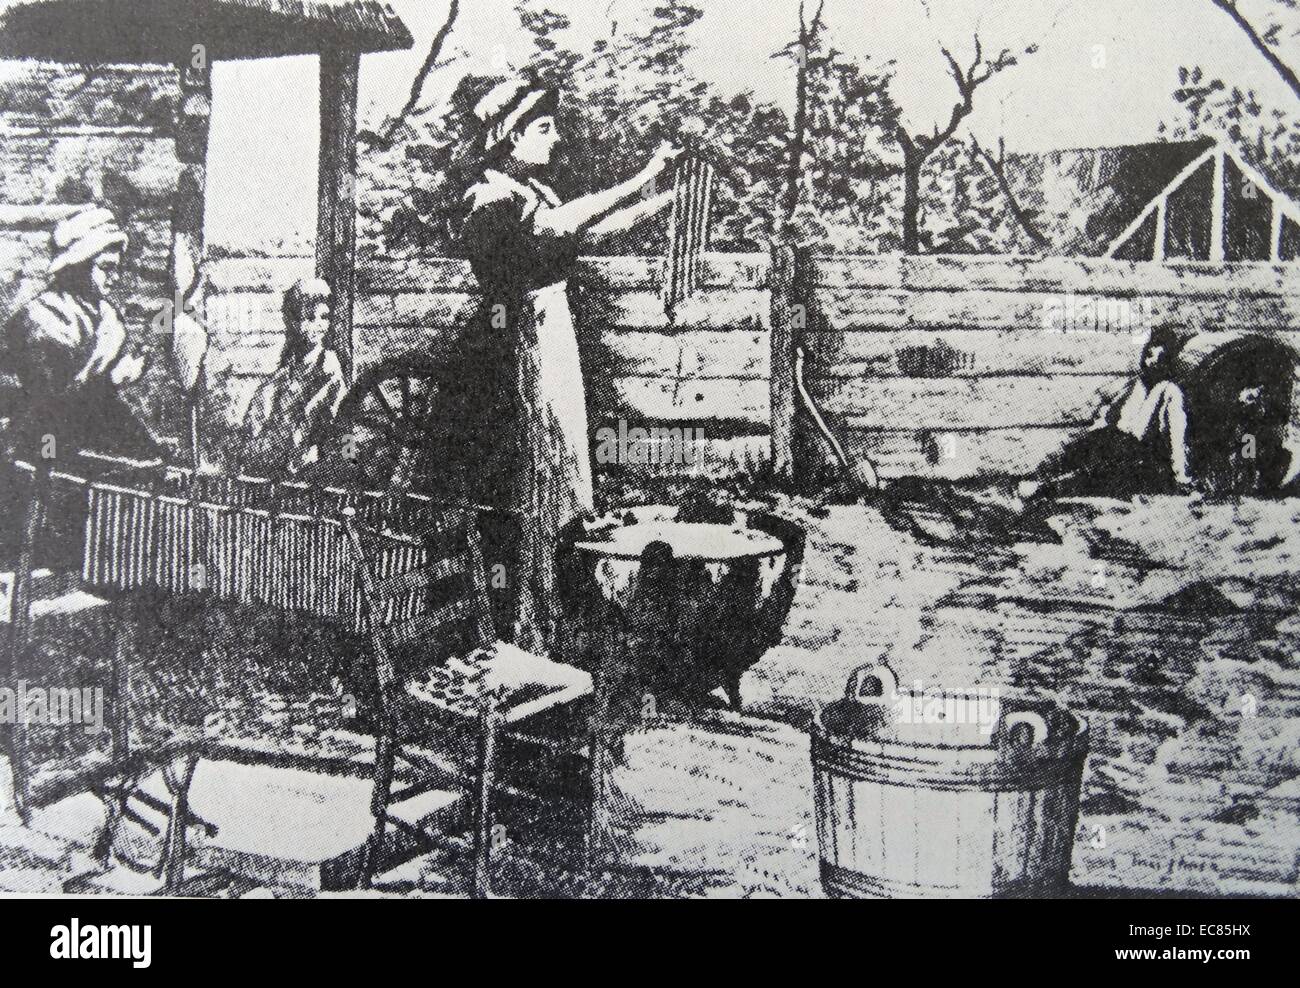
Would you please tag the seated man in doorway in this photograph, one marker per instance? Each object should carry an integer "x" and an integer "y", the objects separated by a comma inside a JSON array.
[
  {"x": 67, "y": 352},
  {"x": 1137, "y": 444}
]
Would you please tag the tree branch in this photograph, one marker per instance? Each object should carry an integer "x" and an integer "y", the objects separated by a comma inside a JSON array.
[
  {"x": 817, "y": 19},
  {"x": 904, "y": 140},
  {"x": 998, "y": 167},
  {"x": 968, "y": 80},
  {"x": 1288, "y": 74},
  {"x": 385, "y": 139},
  {"x": 917, "y": 148},
  {"x": 799, "y": 136}
]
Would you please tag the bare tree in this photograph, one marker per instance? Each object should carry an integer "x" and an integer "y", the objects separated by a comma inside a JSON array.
[
  {"x": 800, "y": 50},
  {"x": 388, "y": 134},
  {"x": 1265, "y": 42},
  {"x": 918, "y": 147}
]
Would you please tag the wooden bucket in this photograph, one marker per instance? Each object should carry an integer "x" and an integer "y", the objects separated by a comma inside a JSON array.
[{"x": 944, "y": 794}]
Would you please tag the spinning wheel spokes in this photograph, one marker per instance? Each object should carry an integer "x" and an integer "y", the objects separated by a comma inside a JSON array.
[
  {"x": 394, "y": 401},
  {"x": 393, "y": 414}
]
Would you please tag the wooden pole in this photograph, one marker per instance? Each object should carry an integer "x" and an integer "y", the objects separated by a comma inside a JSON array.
[
  {"x": 489, "y": 725},
  {"x": 610, "y": 682},
  {"x": 1217, "y": 208},
  {"x": 177, "y": 777},
  {"x": 123, "y": 650},
  {"x": 20, "y": 641},
  {"x": 1158, "y": 249},
  {"x": 193, "y": 116},
  {"x": 791, "y": 308},
  {"x": 336, "y": 217}
]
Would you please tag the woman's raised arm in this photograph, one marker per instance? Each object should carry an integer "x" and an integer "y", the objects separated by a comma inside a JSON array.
[
  {"x": 627, "y": 217},
  {"x": 586, "y": 211}
]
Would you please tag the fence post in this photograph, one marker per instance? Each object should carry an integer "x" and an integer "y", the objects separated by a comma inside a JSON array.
[
  {"x": 791, "y": 308},
  {"x": 785, "y": 262},
  {"x": 336, "y": 183}
]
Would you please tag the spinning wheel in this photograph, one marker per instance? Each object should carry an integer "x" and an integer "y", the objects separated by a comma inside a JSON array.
[
  {"x": 386, "y": 418},
  {"x": 393, "y": 399}
]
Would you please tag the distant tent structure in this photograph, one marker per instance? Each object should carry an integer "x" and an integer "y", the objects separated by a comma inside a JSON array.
[
  {"x": 1163, "y": 201},
  {"x": 1218, "y": 208}
]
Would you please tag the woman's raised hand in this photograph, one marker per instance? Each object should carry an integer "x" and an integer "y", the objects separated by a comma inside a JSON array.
[
  {"x": 664, "y": 155},
  {"x": 128, "y": 369},
  {"x": 582, "y": 214}
]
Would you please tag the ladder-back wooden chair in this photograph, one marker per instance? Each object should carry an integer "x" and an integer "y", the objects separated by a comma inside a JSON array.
[
  {"x": 116, "y": 779},
  {"x": 445, "y": 686}
]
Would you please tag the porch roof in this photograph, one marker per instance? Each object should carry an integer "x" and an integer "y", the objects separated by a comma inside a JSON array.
[{"x": 166, "y": 31}]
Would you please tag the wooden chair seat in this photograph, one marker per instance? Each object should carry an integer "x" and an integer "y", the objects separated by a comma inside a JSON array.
[
  {"x": 521, "y": 685},
  {"x": 282, "y": 826},
  {"x": 442, "y": 680}
]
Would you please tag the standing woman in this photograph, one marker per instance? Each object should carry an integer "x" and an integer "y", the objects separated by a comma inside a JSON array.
[{"x": 514, "y": 409}]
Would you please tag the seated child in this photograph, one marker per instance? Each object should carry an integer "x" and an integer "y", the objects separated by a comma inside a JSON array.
[{"x": 283, "y": 425}]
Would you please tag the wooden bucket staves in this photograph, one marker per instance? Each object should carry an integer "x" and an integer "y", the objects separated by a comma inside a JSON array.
[{"x": 915, "y": 797}]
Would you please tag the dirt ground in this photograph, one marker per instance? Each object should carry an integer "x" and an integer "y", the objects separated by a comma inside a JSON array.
[{"x": 1172, "y": 624}]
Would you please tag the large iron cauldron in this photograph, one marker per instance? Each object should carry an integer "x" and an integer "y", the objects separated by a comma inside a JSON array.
[{"x": 696, "y": 594}]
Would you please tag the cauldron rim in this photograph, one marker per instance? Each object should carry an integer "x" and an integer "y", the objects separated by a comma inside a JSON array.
[
  {"x": 668, "y": 513},
  {"x": 595, "y": 549}
]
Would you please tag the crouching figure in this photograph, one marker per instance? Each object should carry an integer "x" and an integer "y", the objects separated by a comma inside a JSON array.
[{"x": 1138, "y": 443}]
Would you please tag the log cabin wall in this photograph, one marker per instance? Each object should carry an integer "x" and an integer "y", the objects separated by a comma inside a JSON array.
[
  {"x": 934, "y": 366},
  {"x": 709, "y": 372},
  {"x": 949, "y": 366},
  {"x": 71, "y": 136},
  {"x": 707, "y": 375},
  {"x": 245, "y": 327}
]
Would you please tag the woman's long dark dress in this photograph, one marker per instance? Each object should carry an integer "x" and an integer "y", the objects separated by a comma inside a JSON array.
[{"x": 515, "y": 406}]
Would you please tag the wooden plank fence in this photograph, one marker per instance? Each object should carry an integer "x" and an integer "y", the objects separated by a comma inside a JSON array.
[{"x": 942, "y": 366}]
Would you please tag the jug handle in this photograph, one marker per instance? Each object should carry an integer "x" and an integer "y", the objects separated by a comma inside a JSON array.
[
  {"x": 881, "y": 674},
  {"x": 1037, "y": 724}
]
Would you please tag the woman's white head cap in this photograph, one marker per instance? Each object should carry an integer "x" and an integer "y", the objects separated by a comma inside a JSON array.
[
  {"x": 84, "y": 236},
  {"x": 505, "y": 106}
]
